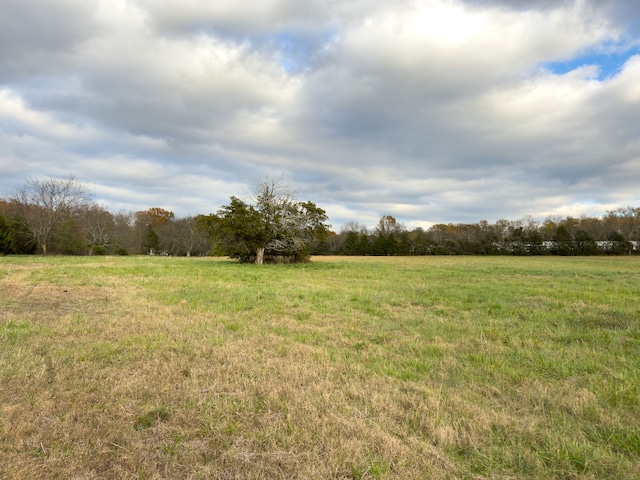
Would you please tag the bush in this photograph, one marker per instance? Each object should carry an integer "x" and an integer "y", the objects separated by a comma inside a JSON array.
[
  {"x": 22, "y": 240},
  {"x": 617, "y": 244}
]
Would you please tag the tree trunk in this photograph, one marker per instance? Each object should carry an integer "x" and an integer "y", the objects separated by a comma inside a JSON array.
[
  {"x": 260, "y": 256},
  {"x": 44, "y": 248}
]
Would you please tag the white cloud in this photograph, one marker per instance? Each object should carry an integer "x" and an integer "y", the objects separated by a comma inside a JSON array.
[{"x": 432, "y": 111}]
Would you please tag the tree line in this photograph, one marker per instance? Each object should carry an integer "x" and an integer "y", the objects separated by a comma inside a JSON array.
[
  {"x": 58, "y": 216},
  {"x": 616, "y": 233}
]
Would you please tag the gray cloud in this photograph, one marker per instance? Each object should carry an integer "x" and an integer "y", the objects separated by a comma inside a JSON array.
[
  {"x": 521, "y": 4},
  {"x": 433, "y": 112},
  {"x": 40, "y": 37}
]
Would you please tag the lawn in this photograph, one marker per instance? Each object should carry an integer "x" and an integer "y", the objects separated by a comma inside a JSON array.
[{"x": 347, "y": 367}]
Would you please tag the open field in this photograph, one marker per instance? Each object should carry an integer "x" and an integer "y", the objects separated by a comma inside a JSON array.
[{"x": 411, "y": 368}]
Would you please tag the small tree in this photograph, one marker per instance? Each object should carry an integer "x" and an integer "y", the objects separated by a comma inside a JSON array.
[
  {"x": 618, "y": 244},
  {"x": 563, "y": 242},
  {"x": 585, "y": 243},
  {"x": 275, "y": 225},
  {"x": 350, "y": 245},
  {"x": 150, "y": 241}
]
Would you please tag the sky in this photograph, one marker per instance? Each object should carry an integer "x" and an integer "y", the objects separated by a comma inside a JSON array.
[{"x": 432, "y": 111}]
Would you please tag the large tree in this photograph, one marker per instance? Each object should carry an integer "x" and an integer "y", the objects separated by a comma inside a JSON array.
[
  {"x": 273, "y": 224},
  {"x": 149, "y": 226},
  {"x": 625, "y": 221},
  {"x": 45, "y": 204}
]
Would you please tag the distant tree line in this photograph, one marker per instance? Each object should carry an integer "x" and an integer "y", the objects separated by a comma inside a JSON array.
[
  {"x": 58, "y": 216},
  {"x": 616, "y": 233}
]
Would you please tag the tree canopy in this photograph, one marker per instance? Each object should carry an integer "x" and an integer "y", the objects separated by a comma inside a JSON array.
[
  {"x": 273, "y": 226},
  {"x": 44, "y": 204}
]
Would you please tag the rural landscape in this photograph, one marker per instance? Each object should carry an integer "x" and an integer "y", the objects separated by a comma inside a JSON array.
[
  {"x": 319, "y": 240},
  {"x": 372, "y": 364},
  {"x": 518, "y": 361},
  {"x": 345, "y": 367},
  {"x": 59, "y": 215}
]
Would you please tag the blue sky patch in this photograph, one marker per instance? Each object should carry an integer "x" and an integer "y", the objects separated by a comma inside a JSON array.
[
  {"x": 294, "y": 52},
  {"x": 297, "y": 49},
  {"x": 609, "y": 64}
]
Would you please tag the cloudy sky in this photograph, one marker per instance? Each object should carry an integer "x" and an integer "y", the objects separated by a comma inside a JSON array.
[{"x": 429, "y": 110}]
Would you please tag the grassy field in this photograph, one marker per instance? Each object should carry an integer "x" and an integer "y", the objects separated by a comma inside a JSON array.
[{"x": 408, "y": 368}]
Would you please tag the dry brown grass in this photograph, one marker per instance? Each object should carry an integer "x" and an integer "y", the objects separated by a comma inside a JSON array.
[{"x": 107, "y": 384}]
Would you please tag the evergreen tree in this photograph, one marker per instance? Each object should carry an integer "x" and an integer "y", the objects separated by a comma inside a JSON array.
[
  {"x": 151, "y": 241},
  {"x": 563, "y": 242},
  {"x": 275, "y": 227},
  {"x": 585, "y": 244},
  {"x": 351, "y": 244},
  {"x": 617, "y": 244},
  {"x": 5, "y": 237}
]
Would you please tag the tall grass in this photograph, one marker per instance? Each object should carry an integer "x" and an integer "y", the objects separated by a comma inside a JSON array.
[{"x": 435, "y": 367}]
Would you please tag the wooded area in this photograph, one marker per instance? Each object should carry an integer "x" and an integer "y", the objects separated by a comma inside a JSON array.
[
  {"x": 58, "y": 216},
  {"x": 616, "y": 233}
]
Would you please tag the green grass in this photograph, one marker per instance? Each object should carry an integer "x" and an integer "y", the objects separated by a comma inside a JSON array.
[{"x": 420, "y": 367}]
